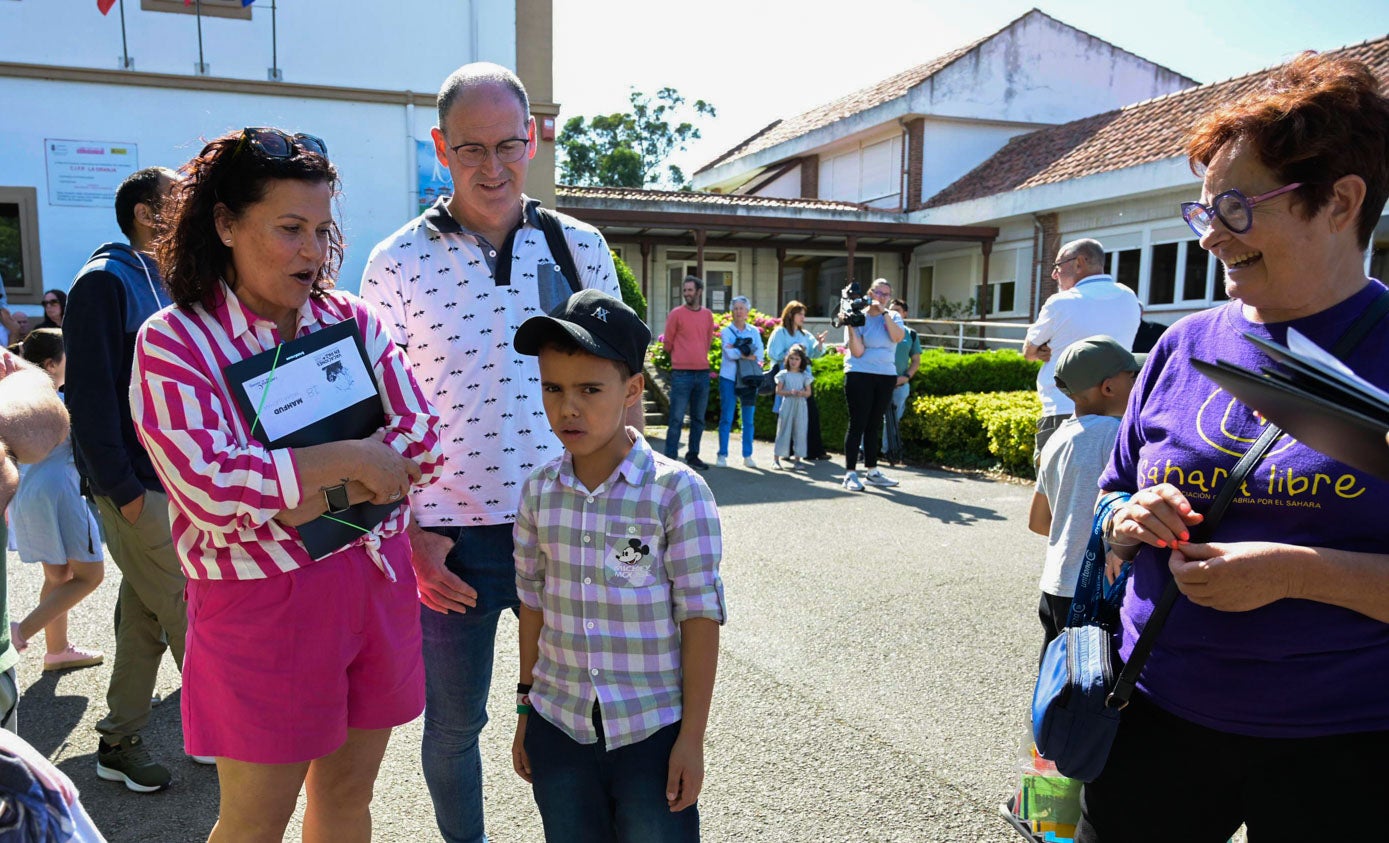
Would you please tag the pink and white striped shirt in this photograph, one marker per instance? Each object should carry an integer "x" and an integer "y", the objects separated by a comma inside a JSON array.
[{"x": 224, "y": 487}]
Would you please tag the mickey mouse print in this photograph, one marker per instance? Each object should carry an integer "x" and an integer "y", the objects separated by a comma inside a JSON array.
[{"x": 629, "y": 562}]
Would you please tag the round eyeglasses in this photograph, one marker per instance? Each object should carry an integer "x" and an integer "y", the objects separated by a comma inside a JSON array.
[
  {"x": 508, "y": 151},
  {"x": 1234, "y": 210}
]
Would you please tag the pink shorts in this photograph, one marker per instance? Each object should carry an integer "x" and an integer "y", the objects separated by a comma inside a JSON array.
[{"x": 276, "y": 670}]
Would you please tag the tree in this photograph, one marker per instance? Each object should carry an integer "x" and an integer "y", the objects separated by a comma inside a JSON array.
[{"x": 630, "y": 149}]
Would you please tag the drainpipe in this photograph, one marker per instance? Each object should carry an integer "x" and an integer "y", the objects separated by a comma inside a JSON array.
[
  {"x": 412, "y": 177},
  {"x": 1037, "y": 242}
]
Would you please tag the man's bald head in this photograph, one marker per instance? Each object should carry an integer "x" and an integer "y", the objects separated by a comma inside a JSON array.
[
  {"x": 478, "y": 74},
  {"x": 33, "y": 419}
]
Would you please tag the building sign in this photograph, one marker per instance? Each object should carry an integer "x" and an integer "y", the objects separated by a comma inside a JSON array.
[
  {"x": 85, "y": 174},
  {"x": 434, "y": 178}
]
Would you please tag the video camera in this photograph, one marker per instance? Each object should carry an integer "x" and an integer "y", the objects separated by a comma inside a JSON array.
[{"x": 852, "y": 302}]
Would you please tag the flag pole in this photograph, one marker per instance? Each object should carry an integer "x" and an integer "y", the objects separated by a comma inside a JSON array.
[
  {"x": 126, "y": 63},
  {"x": 202, "y": 65}
]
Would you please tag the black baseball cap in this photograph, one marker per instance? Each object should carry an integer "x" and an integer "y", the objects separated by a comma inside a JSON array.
[{"x": 600, "y": 324}]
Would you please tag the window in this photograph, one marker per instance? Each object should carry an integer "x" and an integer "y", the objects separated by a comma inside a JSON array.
[
  {"x": 816, "y": 280},
  {"x": 1177, "y": 273},
  {"x": 209, "y": 8},
  {"x": 926, "y": 290},
  {"x": 1123, "y": 266},
  {"x": 19, "y": 244},
  {"x": 870, "y": 174},
  {"x": 719, "y": 271},
  {"x": 1004, "y": 296}
]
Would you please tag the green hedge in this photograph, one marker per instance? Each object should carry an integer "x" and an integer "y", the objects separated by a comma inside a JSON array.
[
  {"x": 631, "y": 288},
  {"x": 975, "y": 429}
]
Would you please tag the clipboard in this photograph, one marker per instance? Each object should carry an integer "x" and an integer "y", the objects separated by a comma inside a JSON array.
[
  {"x": 323, "y": 535},
  {"x": 1321, "y": 408}
]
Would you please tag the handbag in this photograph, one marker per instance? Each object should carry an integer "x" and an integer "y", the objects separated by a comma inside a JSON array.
[
  {"x": 768, "y": 384},
  {"x": 749, "y": 376},
  {"x": 1079, "y": 694}
]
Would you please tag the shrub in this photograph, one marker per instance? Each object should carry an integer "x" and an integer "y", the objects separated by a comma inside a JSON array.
[
  {"x": 631, "y": 288},
  {"x": 975, "y": 429},
  {"x": 660, "y": 358},
  {"x": 946, "y": 373}
]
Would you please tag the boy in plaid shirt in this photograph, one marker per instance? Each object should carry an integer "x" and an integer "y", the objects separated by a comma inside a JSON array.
[{"x": 617, "y": 568}]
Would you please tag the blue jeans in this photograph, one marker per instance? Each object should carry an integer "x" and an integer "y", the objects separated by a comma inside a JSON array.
[
  {"x": 689, "y": 390},
  {"x": 728, "y": 401},
  {"x": 588, "y": 794},
  {"x": 458, "y": 674}
]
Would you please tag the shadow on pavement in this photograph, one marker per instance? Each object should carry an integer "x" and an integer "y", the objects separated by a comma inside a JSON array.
[{"x": 46, "y": 719}]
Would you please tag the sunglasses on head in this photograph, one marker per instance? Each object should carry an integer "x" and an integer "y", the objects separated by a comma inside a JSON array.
[
  {"x": 1234, "y": 210},
  {"x": 273, "y": 143}
]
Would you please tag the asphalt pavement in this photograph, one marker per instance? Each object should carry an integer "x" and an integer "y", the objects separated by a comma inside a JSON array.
[{"x": 873, "y": 677}]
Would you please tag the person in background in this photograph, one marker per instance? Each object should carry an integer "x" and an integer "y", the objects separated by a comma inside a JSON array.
[
  {"x": 32, "y": 423},
  {"x": 298, "y": 666},
  {"x": 114, "y": 293},
  {"x": 689, "y": 335},
  {"x": 908, "y": 361},
  {"x": 1097, "y": 374},
  {"x": 612, "y": 755},
  {"x": 870, "y": 375},
  {"x": 794, "y": 387},
  {"x": 1262, "y": 702},
  {"x": 55, "y": 304},
  {"x": 741, "y": 341},
  {"x": 1088, "y": 302},
  {"x": 54, "y": 526},
  {"x": 791, "y": 332}
]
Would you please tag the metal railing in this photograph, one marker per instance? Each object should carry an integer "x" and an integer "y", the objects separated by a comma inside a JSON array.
[{"x": 952, "y": 335}]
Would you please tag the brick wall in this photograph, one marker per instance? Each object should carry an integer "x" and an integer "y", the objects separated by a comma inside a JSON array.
[
  {"x": 1051, "y": 244},
  {"x": 810, "y": 177},
  {"x": 916, "y": 135}
]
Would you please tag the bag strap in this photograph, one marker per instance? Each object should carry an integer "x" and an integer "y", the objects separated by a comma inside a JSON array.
[
  {"x": 553, "y": 228},
  {"x": 1205, "y": 531}
]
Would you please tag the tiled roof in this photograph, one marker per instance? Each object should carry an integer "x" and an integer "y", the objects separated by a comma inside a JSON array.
[
  {"x": 703, "y": 200},
  {"x": 894, "y": 87},
  {"x": 1141, "y": 133}
]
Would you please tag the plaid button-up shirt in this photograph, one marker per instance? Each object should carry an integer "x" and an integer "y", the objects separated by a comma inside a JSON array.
[{"x": 615, "y": 571}]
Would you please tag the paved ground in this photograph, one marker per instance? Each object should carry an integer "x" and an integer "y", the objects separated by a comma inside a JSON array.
[{"x": 872, "y": 682}]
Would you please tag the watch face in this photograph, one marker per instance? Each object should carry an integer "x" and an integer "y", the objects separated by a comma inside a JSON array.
[{"x": 337, "y": 498}]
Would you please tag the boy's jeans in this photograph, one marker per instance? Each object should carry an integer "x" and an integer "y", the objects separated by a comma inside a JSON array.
[
  {"x": 689, "y": 390},
  {"x": 587, "y": 794},
  {"x": 458, "y": 653}
]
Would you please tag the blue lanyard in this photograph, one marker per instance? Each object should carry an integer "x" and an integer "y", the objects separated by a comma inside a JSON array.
[{"x": 1094, "y": 602}]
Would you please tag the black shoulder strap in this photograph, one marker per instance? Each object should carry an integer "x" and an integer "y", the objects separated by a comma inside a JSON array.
[
  {"x": 559, "y": 247},
  {"x": 1205, "y": 531}
]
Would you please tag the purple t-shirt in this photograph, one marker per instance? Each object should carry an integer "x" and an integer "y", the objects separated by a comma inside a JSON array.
[{"x": 1293, "y": 668}]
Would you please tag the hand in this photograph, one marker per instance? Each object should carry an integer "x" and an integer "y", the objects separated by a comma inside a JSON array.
[
  {"x": 1235, "y": 576},
  {"x": 9, "y": 363},
  {"x": 685, "y": 773},
  {"x": 1113, "y": 566},
  {"x": 385, "y": 473},
  {"x": 901, "y": 379},
  {"x": 820, "y": 337},
  {"x": 440, "y": 589},
  {"x": 1044, "y": 352},
  {"x": 1158, "y": 515},
  {"x": 520, "y": 761},
  {"x": 875, "y": 308},
  {"x": 131, "y": 511}
]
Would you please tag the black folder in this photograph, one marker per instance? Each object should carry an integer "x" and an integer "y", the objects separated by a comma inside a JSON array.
[
  {"x": 322, "y": 535},
  {"x": 1318, "y": 406}
]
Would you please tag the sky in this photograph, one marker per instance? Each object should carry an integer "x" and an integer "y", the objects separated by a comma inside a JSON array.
[{"x": 757, "y": 60}]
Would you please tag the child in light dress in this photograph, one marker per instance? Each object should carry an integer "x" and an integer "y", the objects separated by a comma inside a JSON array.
[{"x": 793, "y": 384}]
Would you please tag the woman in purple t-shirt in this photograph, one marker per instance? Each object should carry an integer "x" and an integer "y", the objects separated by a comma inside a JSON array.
[{"x": 1265, "y": 701}]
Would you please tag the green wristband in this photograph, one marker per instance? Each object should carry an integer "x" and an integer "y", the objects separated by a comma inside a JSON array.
[{"x": 524, "y": 709}]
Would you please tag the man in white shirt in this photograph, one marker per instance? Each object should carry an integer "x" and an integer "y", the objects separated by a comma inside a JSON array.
[{"x": 1089, "y": 302}]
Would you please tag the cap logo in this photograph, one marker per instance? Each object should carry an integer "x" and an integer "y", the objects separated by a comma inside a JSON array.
[{"x": 601, "y": 314}]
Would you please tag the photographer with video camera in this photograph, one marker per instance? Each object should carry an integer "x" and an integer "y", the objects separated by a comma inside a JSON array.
[
  {"x": 739, "y": 377},
  {"x": 871, "y": 332}
]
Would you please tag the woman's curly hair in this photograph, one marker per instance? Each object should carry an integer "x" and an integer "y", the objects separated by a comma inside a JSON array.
[
  {"x": 192, "y": 257},
  {"x": 1313, "y": 120}
]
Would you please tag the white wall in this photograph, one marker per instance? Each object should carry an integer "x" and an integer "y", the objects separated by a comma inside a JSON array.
[
  {"x": 950, "y": 149},
  {"x": 346, "y": 43},
  {"x": 367, "y": 142},
  {"x": 785, "y": 186}
]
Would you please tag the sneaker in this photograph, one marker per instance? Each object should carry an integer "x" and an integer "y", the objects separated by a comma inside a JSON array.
[
  {"x": 203, "y": 759},
  {"x": 72, "y": 657},
  {"x": 776, "y": 461},
  {"x": 877, "y": 478},
  {"x": 129, "y": 762},
  {"x": 696, "y": 463},
  {"x": 749, "y": 462},
  {"x": 721, "y": 462},
  {"x": 852, "y": 483}
]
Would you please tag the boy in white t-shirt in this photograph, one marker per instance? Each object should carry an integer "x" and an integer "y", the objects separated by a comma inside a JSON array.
[{"x": 1098, "y": 374}]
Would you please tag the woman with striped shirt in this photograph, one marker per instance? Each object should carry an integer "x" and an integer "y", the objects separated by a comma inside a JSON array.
[{"x": 296, "y": 668}]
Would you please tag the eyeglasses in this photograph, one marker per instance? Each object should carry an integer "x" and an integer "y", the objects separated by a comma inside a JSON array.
[
  {"x": 880, "y": 293},
  {"x": 508, "y": 151},
  {"x": 1234, "y": 210},
  {"x": 1062, "y": 263},
  {"x": 273, "y": 143}
]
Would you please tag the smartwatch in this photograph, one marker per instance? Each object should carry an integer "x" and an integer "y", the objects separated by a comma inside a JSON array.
[{"x": 336, "y": 497}]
